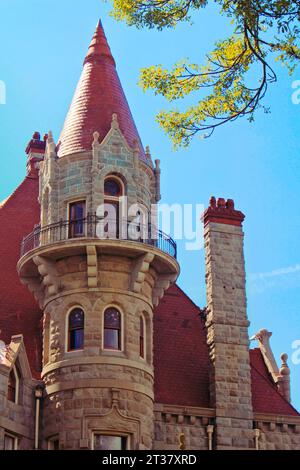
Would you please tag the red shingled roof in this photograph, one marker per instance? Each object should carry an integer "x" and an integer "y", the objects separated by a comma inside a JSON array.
[
  {"x": 181, "y": 359},
  {"x": 19, "y": 312},
  {"x": 99, "y": 94},
  {"x": 265, "y": 395}
]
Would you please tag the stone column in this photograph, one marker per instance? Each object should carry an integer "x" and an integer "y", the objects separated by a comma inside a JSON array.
[{"x": 227, "y": 326}]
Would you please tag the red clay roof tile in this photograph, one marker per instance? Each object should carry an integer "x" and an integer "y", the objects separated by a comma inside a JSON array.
[
  {"x": 265, "y": 395},
  {"x": 181, "y": 359},
  {"x": 98, "y": 96},
  {"x": 19, "y": 313}
]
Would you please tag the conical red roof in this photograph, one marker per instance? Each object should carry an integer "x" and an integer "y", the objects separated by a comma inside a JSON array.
[{"x": 98, "y": 96}]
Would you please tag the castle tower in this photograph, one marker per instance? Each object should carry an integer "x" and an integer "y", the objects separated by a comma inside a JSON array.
[
  {"x": 98, "y": 266},
  {"x": 227, "y": 326}
]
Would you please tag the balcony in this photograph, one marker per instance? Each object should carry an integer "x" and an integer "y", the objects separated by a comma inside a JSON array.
[{"x": 93, "y": 227}]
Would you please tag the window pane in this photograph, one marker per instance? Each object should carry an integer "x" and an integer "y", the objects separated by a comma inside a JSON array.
[
  {"x": 142, "y": 326},
  {"x": 76, "y": 216},
  {"x": 9, "y": 442},
  {"x": 76, "y": 329},
  {"x": 76, "y": 318},
  {"x": 111, "y": 339},
  {"x": 112, "y": 318},
  {"x": 76, "y": 339},
  {"x": 112, "y": 188},
  {"x": 53, "y": 444},
  {"x": 109, "y": 442},
  {"x": 77, "y": 210}
]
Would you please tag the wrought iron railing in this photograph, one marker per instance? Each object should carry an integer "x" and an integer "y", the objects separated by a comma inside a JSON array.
[{"x": 95, "y": 227}]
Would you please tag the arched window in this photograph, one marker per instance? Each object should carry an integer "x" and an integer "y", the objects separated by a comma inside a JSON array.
[
  {"x": 113, "y": 187},
  {"x": 142, "y": 337},
  {"x": 112, "y": 329},
  {"x": 76, "y": 329},
  {"x": 113, "y": 190},
  {"x": 13, "y": 385}
]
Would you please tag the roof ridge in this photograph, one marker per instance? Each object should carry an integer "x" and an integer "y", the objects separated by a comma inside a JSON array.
[
  {"x": 5, "y": 201},
  {"x": 188, "y": 297}
]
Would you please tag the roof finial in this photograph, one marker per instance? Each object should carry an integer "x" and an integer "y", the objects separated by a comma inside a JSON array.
[
  {"x": 50, "y": 137},
  {"x": 99, "y": 48},
  {"x": 284, "y": 379},
  {"x": 114, "y": 122},
  {"x": 96, "y": 136}
]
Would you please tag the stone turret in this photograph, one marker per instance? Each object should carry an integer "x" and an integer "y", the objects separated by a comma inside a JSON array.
[{"x": 96, "y": 271}]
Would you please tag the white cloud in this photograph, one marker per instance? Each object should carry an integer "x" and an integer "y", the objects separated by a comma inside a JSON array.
[{"x": 258, "y": 282}]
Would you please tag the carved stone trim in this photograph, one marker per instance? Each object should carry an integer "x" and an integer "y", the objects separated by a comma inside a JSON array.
[
  {"x": 163, "y": 282},
  {"x": 92, "y": 266},
  {"x": 141, "y": 267},
  {"x": 112, "y": 421},
  {"x": 47, "y": 270}
]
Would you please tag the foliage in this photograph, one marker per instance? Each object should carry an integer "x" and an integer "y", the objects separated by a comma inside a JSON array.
[{"x": 237, "y": 72}]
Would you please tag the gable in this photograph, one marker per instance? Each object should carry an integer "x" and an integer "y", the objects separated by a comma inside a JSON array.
[{"x": 19, "y": 312}]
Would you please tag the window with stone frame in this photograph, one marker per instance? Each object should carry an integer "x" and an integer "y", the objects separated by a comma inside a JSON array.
[
  {"x": 109, "y": 442},
  {"x": 76, "y": 329},
  {"x": 13, "y": 388},
  {"x": 112, "y": 329},
  {"x": 11, "y": 442},
  {"x": 53, "y": 443},
  {"x": 76, "y": 219}
]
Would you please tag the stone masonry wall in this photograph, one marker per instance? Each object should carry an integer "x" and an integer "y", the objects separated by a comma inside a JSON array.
[
  {"x": 80, "y": 385},
  {"x": 81, "y": 176},
  {"x": 170, "y": 424},
  {"x": 227, "y": 333},
  {"x": 283, "y": 433},
  {"x": 17, "y": 419}
]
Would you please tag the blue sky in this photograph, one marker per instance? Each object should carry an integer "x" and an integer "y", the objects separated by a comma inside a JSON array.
[{"x": 42, "y": 46}]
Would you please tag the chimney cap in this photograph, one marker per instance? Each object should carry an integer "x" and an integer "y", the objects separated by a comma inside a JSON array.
[{"x": 222, "y": 211}]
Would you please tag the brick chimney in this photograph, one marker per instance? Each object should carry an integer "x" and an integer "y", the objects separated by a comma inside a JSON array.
[
  {"x": 227, "y": 325},
  {"x": 35, "y": 151}
]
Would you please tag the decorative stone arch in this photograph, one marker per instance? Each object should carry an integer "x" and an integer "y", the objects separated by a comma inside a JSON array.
[
  {"x": 73, "y": 300},
  {"x": 108, "y": 298},
  {"x": 115, "y": 305},
  {"x": 124, "y": 175},
  {"x": 59, "y": 313},
  {"x": 120, "y": 178},
  {"x": 114, "y": 422}
]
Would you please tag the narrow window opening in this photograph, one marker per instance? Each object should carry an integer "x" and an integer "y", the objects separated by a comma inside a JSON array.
[
  {"x": 112, "y": 329},
  {"x": 76, "y": 329}
]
